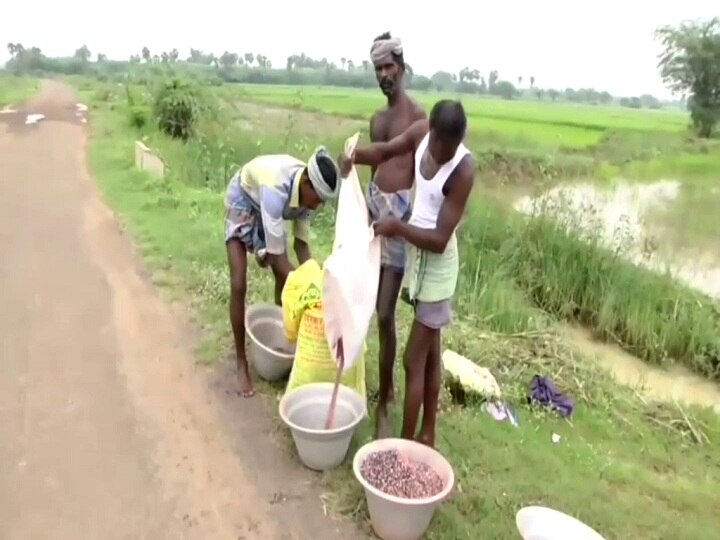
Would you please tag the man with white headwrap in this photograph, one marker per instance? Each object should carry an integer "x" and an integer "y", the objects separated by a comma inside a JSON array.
[
  {"x": 389, "y": 196},
  {"x": 265, "y": 193}
]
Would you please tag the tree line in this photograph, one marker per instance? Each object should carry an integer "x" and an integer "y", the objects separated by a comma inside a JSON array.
[
  {"x": 303, "y": 69},
  {"x": 689, "y": 65}
]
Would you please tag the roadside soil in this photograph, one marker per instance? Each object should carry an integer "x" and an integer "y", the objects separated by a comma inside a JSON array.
[{"x": 108, "y": 427}]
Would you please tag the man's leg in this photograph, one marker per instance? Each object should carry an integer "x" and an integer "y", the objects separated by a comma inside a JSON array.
[
  {"x": 434, "y": 316},
  {"x": 416, "y": 355},
  {"x": 433, "y": 382},
  {"x": 388, "y": 291},
  {"x": 237, "y": 259}
]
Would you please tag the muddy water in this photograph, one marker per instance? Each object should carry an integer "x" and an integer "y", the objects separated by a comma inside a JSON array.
[
  {"x": 672, "y": 384},
  {"x": 621, "y": 218}
]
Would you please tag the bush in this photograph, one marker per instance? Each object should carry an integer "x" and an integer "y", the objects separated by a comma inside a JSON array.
[
  {"x": 139, "y": 116},
  {"x": 176, "y": 108}
]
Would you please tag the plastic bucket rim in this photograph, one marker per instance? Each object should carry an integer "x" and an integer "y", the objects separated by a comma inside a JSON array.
[
  {"x": 365, "y": 450},
  {"x": 308, "y": 431},
  {"x": 255, "y": 340},
  {"x": 532, "y": 507}
]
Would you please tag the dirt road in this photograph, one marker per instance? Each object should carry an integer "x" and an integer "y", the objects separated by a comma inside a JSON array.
[{"x": 108, "y": 429}]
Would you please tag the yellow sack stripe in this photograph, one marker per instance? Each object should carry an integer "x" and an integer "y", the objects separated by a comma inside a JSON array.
[{"x": 304, "y": 325}]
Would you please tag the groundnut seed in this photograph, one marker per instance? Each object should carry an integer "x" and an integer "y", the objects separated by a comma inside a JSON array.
[{"x": 399, "y": 476}]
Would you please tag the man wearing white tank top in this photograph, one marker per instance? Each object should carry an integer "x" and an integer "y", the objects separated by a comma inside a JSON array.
[{"x": 444, "y": 177}]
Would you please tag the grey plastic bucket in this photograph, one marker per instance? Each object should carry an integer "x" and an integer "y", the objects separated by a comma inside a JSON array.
[
  {"x": 270, "y": 352},
  {"x": 304, "y": 410}
]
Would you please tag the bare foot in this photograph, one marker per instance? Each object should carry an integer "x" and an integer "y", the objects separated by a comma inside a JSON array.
[
  {"x": 382, "y": 423},
  {"x": 245, "y": 383}
]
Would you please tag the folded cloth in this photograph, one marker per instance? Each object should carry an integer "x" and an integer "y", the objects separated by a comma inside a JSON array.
[{"x": 542, "y": 390}]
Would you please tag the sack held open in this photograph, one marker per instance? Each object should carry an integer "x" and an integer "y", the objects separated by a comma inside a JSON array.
[{"x": 352, "y": 271}]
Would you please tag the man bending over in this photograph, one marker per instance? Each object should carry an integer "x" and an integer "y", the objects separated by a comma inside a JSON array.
[{"x": 261, "y": 196}]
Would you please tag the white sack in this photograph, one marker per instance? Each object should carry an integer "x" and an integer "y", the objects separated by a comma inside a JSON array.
[{"x": 352, "y": 271}]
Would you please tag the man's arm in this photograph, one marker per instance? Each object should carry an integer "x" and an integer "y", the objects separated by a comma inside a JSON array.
[
  {"x": 281, "y": 266},
  {"x": 301, "y": 244},
  {"x": 436, "y": 240},
  {"x": 379, "y": 152},
  {"x": 302, "y": 250},
  {"x": 271, "y": 207}
]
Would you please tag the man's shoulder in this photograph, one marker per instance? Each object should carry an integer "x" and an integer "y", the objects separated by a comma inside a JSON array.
[
  {"x": 464, "y": 173},
  {"x": 419, "y": 129},
  {"x": 418, "y": 112}
]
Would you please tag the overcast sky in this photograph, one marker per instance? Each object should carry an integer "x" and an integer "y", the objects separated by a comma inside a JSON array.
[{"x": 605, "y": 45}]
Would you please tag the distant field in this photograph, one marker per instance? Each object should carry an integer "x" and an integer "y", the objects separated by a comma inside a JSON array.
[{"x": 526, "y": 123}]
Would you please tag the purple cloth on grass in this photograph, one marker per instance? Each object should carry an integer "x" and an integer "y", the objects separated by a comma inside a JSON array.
[{"x": 542, "y": 390}]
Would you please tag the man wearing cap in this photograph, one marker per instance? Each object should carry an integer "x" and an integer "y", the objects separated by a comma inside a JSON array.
[
  {"x": 388, "y": 196},
  {"x": 265, "y": 193}
]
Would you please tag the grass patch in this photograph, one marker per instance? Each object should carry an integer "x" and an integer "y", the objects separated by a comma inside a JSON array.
[
  {"x": 649, "y": 314},
  {"x": 629, "y": 469},
  {"x": 14, "y": 90}
]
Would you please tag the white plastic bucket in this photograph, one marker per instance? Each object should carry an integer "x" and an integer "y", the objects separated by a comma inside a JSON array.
[
  {"x": 304, "y": 410},
  {"x": 395, "y": 518}
]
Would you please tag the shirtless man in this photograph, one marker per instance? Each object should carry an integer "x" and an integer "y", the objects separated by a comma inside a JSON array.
[
  {"x": 444, "y": 177},
  {"x": 389, "y": 196}
]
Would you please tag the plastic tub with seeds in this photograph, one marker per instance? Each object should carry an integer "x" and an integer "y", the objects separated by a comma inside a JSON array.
[{"x": 400, "y": 518}]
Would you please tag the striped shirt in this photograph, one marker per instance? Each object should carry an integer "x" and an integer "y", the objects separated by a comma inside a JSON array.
[{"x": 273, "y": 183}]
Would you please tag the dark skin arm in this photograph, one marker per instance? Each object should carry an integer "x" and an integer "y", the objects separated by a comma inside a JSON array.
[
  {"x": 379, "y": 152},
  {"x": 281, "y": 268},
  {"x": 435, "y": 240},
  {"x": 281, "y": 265},
  {"x": 302, "y": 251}
]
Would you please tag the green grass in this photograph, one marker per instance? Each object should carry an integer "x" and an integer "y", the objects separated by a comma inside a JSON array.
[
  {"x": 649, "y": 314},
  {"x": 14, "y": 90},
  {"x": 630, "y": 469}
]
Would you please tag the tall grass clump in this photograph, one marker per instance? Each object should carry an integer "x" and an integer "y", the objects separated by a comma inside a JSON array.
[{"x": 577, "y": 277}]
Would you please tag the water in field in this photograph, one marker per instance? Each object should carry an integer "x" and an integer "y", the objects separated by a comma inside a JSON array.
[
  {"x": 676, "y": 383},
  {"x": 641, "y": 221}
]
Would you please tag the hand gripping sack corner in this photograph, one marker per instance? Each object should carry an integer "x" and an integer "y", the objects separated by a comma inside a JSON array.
[{"x": 352, "y": 271}]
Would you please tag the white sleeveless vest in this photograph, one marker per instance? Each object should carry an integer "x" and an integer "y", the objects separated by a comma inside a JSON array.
[
  {"x": 432, "y": 277},
  {"x": 428, "y": 192}
]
